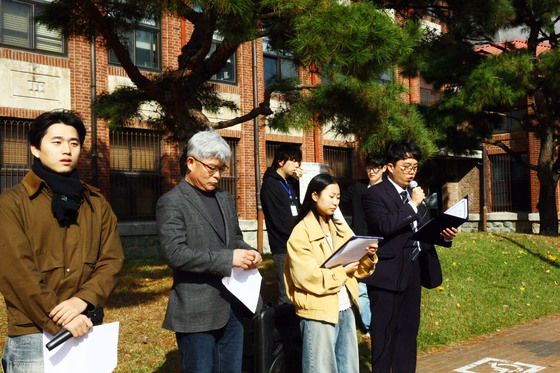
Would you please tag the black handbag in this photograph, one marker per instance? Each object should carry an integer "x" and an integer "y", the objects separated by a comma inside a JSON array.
[{"x": 430, "y": 269}]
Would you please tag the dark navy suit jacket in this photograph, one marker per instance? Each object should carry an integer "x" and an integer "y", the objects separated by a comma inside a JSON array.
[{"x": 387, "y": 216}]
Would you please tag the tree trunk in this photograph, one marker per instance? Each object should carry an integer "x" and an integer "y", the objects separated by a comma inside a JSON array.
[{"x": 548, "y": 179}]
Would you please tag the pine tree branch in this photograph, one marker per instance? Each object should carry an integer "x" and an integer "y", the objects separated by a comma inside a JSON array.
[
  {"x": 262, "y": 109},
  {"x": 112, "y": 39}
]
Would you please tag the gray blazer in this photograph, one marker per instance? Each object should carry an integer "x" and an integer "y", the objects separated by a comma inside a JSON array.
[{"x": 199, "y": 258}]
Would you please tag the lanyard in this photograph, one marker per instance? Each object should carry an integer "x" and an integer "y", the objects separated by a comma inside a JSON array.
[{"x": 288, "y": 189}]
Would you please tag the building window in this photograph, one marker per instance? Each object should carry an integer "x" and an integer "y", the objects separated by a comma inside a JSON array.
[
  {"x": 142, "y": 44},
  {"x": 340, "y": 162},
  {"x": 18, "y": 27},
  {"x": 511, "y": 122},
  {"x": 15, "y": 156},
  {"x": 228, "y": 181},
  {"x": 428, "y": 95},
  {"x": 271, "y": 151},
  {"x": 228, "y": 73},
  {"x": 386, "y": 77},
  {"x": 135, "y": 173},
  {"x": 271, "y": 147},
  {"x": 277, "y": 65},
  {"x": 510, "y": 184}
]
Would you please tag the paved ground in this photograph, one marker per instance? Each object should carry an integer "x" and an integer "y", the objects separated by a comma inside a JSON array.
[{"x": 528, "y": 348}]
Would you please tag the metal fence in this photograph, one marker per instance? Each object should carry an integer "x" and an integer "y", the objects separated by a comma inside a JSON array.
[
  {"x": 135, "y": 173},
  {"x": 228, "y": 182},
  {"x": 510, "y": 184},
  {"x": 340, "y": 162},
  {"x": 15, "y": 156}
]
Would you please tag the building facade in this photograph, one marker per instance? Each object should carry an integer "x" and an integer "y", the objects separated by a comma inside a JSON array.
[{"x": 133, "y": 166}]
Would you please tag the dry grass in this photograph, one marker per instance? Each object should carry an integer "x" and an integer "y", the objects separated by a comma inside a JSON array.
[
  {"x": 139, "y": 304},
  {"x": 482, "y": 272}
]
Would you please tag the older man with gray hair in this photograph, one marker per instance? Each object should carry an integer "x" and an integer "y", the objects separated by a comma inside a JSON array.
[{"x": 201, "y": 241}]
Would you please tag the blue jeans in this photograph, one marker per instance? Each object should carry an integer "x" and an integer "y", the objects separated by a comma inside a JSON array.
[
  {"x": 23, "y": 354},
  {"x": 365, "y": 311},
  {"x": 215, "y": 351},
  {"x": 331, "y": 348}
]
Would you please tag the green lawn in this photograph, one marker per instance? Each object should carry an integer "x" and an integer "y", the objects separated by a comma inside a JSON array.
[{"x": 491, "y": 282}]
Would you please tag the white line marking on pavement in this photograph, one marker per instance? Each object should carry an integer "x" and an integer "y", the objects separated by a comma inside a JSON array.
[{"x": 491, "y": 364}]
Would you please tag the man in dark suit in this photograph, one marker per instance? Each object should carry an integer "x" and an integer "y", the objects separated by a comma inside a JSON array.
[
  {"x": 201, "y": 241},
  {"x": 393, "y": 210}
]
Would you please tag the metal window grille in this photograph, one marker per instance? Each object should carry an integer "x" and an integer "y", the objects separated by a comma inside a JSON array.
[
  {"x": 135, "y": 173},
  {"x": 228, "y": 181},
  {"x": 270, "y": 151},
  {"x": 271, "y": 147},
  {"x": 340, "y": 162},
  {"x": 15, "y": 156},
  {"x": 509, "y": 183},
  {"x": 429, "y": 96}
]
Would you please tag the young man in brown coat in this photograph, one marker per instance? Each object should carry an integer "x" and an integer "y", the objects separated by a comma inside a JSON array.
[{"x": 60, "y": 249}]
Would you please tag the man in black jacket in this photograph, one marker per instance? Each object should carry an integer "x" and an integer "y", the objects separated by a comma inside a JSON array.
[{"x": 281, "y": 206}]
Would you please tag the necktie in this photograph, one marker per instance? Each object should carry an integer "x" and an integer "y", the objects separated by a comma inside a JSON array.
[{"x": 404, "y": 196}]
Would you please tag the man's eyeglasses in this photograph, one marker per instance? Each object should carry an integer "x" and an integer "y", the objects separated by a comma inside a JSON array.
[
  {"x": 212, "y": 169},
  {"x": 374, "y": 169},
  {"x": 408, "y": 167}
]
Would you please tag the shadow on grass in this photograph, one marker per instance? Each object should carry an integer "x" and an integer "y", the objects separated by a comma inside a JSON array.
[
  {"x": 142, "y": 281},
  {"x": 537, "y": 255},
  {"x": 171, "y": 364}
]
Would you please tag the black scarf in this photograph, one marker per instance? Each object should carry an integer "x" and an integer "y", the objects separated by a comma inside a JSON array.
[{"x": 67, "y": 192}]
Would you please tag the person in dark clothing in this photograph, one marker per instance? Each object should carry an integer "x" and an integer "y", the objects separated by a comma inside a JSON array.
[
  {"x": 394, "y": 209},
  {"x": 375, "y": 167},
  {"x": 280, "y": 205}
]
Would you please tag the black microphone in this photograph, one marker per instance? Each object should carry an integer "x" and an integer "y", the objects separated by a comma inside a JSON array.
[
  {"x": 59, "y": 339},
  {"x": 96, "y": 317}
]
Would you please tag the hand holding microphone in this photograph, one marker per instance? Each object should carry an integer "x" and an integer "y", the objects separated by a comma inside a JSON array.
[
  {"x": 94, "y": 317},
  {"x": 417, "y": 195}
]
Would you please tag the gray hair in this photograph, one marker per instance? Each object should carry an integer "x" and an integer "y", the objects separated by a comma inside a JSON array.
[{"x": 208, "y": 144}]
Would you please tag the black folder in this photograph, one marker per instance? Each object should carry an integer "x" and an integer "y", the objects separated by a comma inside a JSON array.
[{"x": 453, "y": 217}]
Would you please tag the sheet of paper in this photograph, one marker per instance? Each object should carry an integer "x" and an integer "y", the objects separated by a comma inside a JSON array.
[
  {"x": 95, "y": 352},
  {"x": 352, "y": 251},
  {"x": 245, "y": 285},
  {"x": 309, "y": 170},
  {"x": 460, "y": 209}
]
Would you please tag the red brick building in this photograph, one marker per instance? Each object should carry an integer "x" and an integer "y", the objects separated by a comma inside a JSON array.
[{"x": 42, "y": 71}]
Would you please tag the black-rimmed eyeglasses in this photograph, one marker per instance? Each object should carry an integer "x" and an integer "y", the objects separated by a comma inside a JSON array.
[{"x": 212, "y": 169}]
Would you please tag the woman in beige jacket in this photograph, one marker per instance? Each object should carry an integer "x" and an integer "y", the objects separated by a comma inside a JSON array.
[{"x": 323, "y": 297}]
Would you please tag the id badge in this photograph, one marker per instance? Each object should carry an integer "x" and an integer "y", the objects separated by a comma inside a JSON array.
[{"x": 294, "y": 210}]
